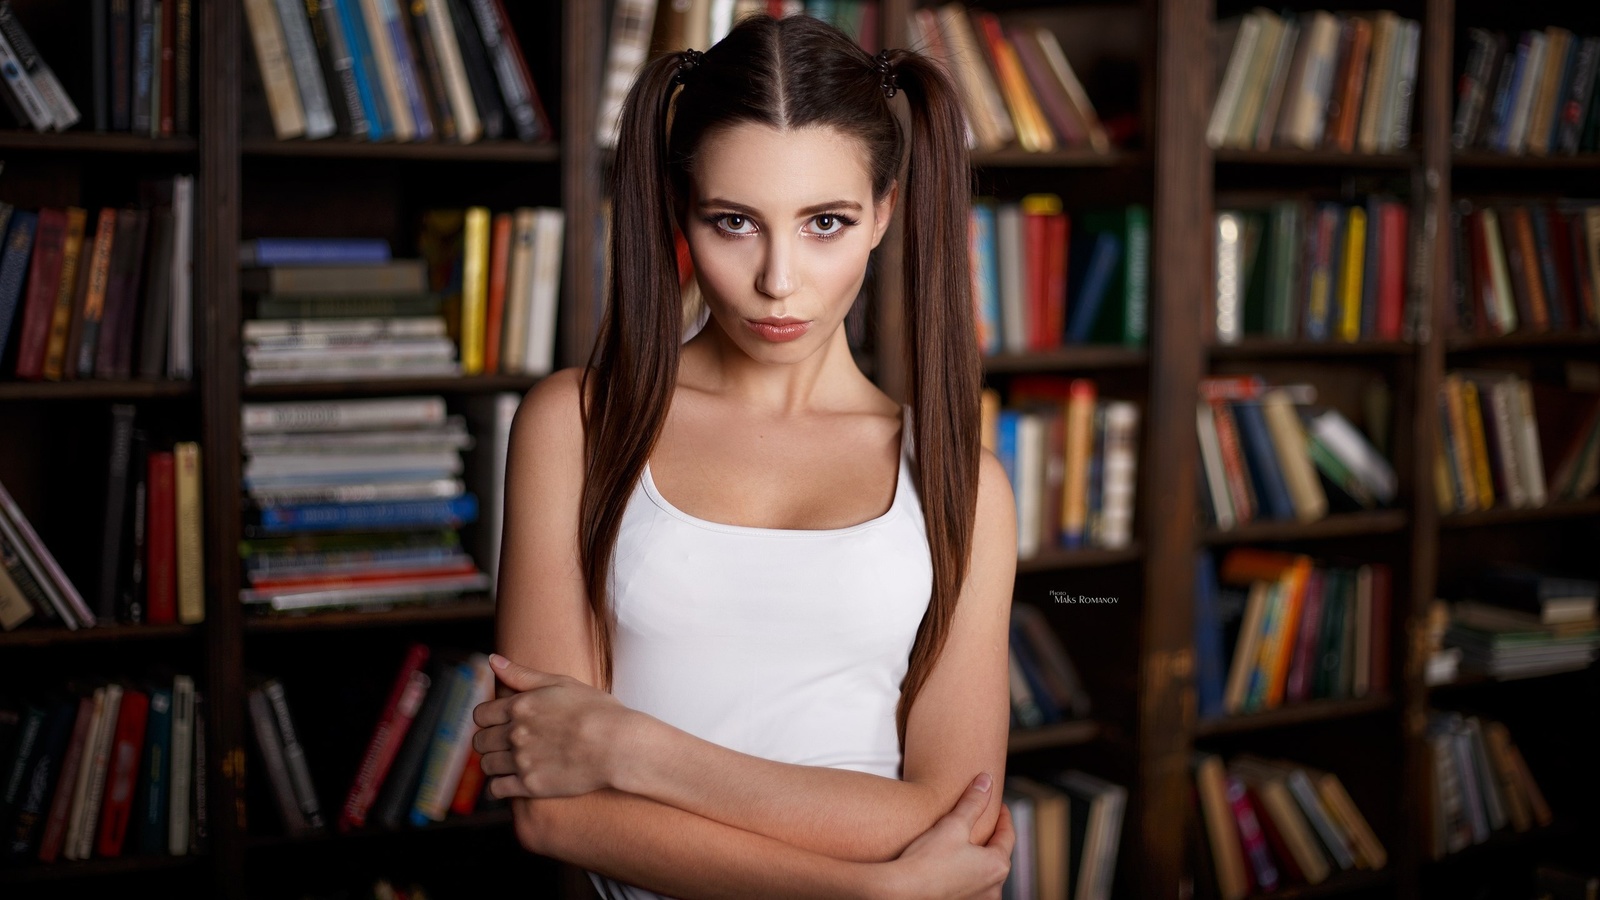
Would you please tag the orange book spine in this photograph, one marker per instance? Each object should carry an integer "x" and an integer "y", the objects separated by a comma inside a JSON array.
[
  {"x": 1295, "y": 581},
  {"x": 1344, "y": 127},
  {"x": 1538, "y": 303},
  {"x": 499, "y": 265}
]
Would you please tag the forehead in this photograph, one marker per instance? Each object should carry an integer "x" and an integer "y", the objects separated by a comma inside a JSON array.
[{"x": 776, "y": 170}]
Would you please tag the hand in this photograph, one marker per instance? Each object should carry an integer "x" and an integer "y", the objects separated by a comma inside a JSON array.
[
  {"x": 554, "y": 737},
  {"x": 944, "y": 864}
]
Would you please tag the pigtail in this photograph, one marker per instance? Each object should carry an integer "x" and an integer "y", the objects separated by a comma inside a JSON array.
[
  {"x": 945, "y": 372},
  {"x": 635, "y": 359}
]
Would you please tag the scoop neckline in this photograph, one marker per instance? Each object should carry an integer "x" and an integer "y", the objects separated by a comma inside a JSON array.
[{"x": 895, "y": 505}]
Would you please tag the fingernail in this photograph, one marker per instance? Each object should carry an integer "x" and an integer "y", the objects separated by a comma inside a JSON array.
[
  {"x": 982, "y": 783},
  {"x": 498, "y": 661}
]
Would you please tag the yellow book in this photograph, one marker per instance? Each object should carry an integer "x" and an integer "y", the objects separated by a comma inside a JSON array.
[
  {"x": 66, "y": 289},
  {"x": 191, "y": 542},
  {"x": 1444, "y": 495},
  {"x": 474, "y": 289},
  {"x": 1033, "y": 132},
  {"x": 1460, "y": 448},
  {"x": 1355, "y": 248},
  {"x": 1480, "y": 449},
  {"x": 1079, "y": 410}
]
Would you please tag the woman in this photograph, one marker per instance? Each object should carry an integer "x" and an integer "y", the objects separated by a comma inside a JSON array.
[{"x": 788, "y": 679}]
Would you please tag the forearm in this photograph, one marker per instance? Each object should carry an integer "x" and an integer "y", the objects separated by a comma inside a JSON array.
[
  {"x": 838, "y": 812},
  {"x": 676, "y": 853}
]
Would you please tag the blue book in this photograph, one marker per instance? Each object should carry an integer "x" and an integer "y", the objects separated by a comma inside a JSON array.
[
  {"x": 1503, "y": 105},
  {"x": 1319, "y": 319},
  {"x": 155, "y": 785},
  {"x": 1208, "y": 644},
  {"x": 986, "y": 278},
  {"x": 406, "y": 68},
  {"x": 1100, "y": 254},
  {"x": 1049, "y": 710},
  {"x": 380, "y": 122},
  {"x": 313, "y": 251},
  {"x": 1261, "y": 459},
  {"x": 1370, "y": 268},
  {"x": 1006, "y": 445},
  {"x": 433, "y": 513},
  {"x": 14, "y": 270},
  {"x": 454, "y": 718}
]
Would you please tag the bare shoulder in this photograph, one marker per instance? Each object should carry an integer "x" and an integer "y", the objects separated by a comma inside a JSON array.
[
  {"x": 549, "y": 421},
  {"x": 997, "y": 510}
]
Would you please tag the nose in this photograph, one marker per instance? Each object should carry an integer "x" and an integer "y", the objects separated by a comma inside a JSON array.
[{"x": 777, "y": 278}]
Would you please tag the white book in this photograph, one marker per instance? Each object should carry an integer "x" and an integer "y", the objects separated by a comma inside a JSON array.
[
  {"x": 80, "y": 789},
  {"x": 62, "y": 111},
  {"x": 307, "y": 68},
  {"x": 100, "y": 767},
  {"x": 1231, "y": 90},
  {"x": 263, "y": 332},
  {"x": 1119, "y": 474},
  {"x": 384, "y": 352},
  {"x": 277, "y": 74},
  {"x": 1229, "y": 294},
  {"x": 1525, "y": 426},
  {"x": 58, "y": 588},
  {"x": 1008, "y": 244},
  {"x": 364, "y": 492},
  {"x": 468, "y": 126},
  {"x": 30, "y": 103},
  {"x": 180, "y": 335},
  {"x": 427, "y": 369},
  {"x": 1397, "y": 133},
  {"x": 412, "y": 589},
  {"x": 182, "y": 765},
  {"x": 631, "y": 22},
  {"x": 539, "y": 357},
  {"x": 1211, "y": 461},
  {"x": 388, "y": 74},
  {"x": 519, "y": 292},
  {"x": 1522, "y": 104},
  {"x": 491, "y": 512},
  {"x": 332, "y": 464},
  {"x": 343, "y": 415},
  {"x": 1344, "y": 441}
]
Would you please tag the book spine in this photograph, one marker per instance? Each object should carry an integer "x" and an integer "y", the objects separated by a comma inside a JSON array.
[
  {"x": 144, "y": 38},
  {"x": 132, "y": 717},
  {"x": 301, "y": 54},
  {"x": 44, "y": 274},
  {"x": 362, "y": 66},
  {"x": 271, "y": 747},
  {"x": 474, "y": 289},
  {"x": 294, "y": 756},
  {"x": 161, "y": 597},
  {"x": 55, "y": 350},
  {"x": 120, "y": 92},
  {"x": 405, "y": 699},
  {"x": 99, "y": 770},
  {"x": 190, "y": 542},
  {"x": 111, "y": 568},
  {"x": 449, "y": 746},
  {"x": 182, "y": 68},
  {"x": 55, "y": 830},
  {"x": 157, "y": 767}
]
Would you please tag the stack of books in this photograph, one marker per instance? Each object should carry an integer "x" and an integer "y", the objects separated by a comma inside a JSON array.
[
  {"x": 1319, "y": 271},
  {"x": 35, "y": 96},
  {"x": 1269, "y": 452},
  {"x": 1072, "y": 458},
  {"x": 1297, "y": 630},
  {"x": 1315, "y": 80},
  {"x": 32, "y": 585},
  {"x": 1272, "y": 823},
  {"x": 1069, "y": 828},
  {"x": 419, "y": 765},
  {"x": 1044, "y": 278},
  {"x": 1527, "y": 623},
  {"x": 1045, "y": 687},
  {"x": 355, "y": 503},
  {"x": 1528, "y": 93},
  {"x": 105, "y": 768},
  {"x": 107, "y": 294},
  {"x": 1480, "y": 783},
  {"x": 340, "y": 309},
  {"x": 1525, "y": 267},
  {"x": 446, "y": 70}
]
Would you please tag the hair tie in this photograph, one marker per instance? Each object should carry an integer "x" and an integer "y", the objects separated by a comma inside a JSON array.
[
  {"x": 886, "y": 72},
  {"x": 688, "y": 61}
]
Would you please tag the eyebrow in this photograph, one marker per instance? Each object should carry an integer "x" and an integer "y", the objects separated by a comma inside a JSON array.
[{"x": 808, "y": 211}]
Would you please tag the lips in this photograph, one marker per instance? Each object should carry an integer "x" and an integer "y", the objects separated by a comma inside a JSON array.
[{"x": 778, "y": 329}]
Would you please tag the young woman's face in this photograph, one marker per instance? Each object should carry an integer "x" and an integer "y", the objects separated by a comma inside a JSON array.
[{"x": 780, "y": 225}]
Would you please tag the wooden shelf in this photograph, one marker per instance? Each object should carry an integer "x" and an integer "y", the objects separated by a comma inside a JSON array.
[
  {"x": 336, "y": 148},
  {"x": 1379, "y": 521},
  {"x": 1268, "y": 348},
  {"x": 1506, "y": 839},
  {"x": 91, "y": 389},
  {"x": 1060, "y": 734},
  {"x": 478, "y": 821},
  {"x": 447, "y": 384},
  {"x": 1087, "y": 558},
  {"x": 1465, "y": 343},
  {"x": 1565, "y": 509},
  {"x": 1075, "y": 158},
  {"x": 1333, "y": 885},
  {"x": 49, "y": 637},
  {"x": 477, "y": 611},
  {"x": 96, "y": 142},
  {"x": 1317, "y": 158},
  {"x": 1479, "y": 159},
  {"x": 1295, "y": 714},
  {"x": 120, "y": 867},
  {"x": 1082, "y": 356}
]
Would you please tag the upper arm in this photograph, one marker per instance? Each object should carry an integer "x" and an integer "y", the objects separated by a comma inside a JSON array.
[
  {"x": 961, "y": 718},
  {"x": 542, "y": 616}
]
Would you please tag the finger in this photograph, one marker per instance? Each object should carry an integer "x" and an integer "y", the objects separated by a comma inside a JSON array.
[
  {"x": 492, "y": 712},
  {"x": 1005, "y": 834},
  {"x": 498, "y": 763},
  {"x": 516, "y": 675},
  {"x": 974, "y": 800},
  {"x": 491, "y": 739},
  {"x": 506, "y": 786}
]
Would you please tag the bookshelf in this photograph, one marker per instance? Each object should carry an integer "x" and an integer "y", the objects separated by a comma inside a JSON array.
[{"x": 1137, "y": 655}]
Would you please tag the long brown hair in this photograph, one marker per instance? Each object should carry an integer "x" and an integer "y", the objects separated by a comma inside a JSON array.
[{"x": 791, "y": 72}]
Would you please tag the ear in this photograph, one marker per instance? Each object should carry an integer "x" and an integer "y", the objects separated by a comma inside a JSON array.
[{"x": 883, "y": 212}]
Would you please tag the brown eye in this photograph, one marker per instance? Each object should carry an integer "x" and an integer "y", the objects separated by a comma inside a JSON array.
[{"x": 828, "y": 225}]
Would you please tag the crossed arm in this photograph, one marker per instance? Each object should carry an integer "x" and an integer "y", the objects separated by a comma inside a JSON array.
[{"x": 628, "y": 795}]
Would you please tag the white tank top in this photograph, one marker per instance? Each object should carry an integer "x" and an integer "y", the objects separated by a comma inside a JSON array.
[{"x": 788, "y": 644}]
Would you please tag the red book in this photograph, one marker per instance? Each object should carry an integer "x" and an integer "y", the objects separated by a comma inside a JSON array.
[
  {"x": 1382, "y": 589},
  {"x": 1280, "y": 847},
  {"x": 55, "y": 828},
  {"x": 470, "y": 787},
  {"x": 124, "y": 774},
  {"x": 1057, "y": 232},
  {"x": 1566, "y": 273},
  {"x": 160, "y": 541},
  {"x": 1392, "y": 221},
  {"x": 1483, "y": 290},
  {"x": 39, "y": 305},
  {"x": 169, "y": 38},
  {"x": 405, "y": 698},
  {"x": 1263, "y": 874},
  {"x": 499, "y": 263},
  {"x": 1035, "y": 277}
]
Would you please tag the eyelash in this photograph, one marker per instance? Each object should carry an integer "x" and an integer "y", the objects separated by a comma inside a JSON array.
[{"x": 845, "y": 221}]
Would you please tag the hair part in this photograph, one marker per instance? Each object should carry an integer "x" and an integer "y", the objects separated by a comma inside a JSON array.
[{"x": 788, "y": 73}]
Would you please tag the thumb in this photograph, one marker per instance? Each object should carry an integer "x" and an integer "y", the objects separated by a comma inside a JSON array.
[
  {"x": 974, "y": 800},
  {"x": 514, "y": 675}
]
